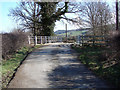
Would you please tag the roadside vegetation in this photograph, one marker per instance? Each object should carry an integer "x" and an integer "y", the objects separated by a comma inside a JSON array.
[
  {"x": 10, "y": 65},
  {"x": 104, "y": 61},
  {"x": 15, "y": 49},
  {"x": 40, "y": 17}
]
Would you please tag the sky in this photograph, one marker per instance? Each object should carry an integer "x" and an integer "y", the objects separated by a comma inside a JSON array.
[{"x": 7, "y": 24}]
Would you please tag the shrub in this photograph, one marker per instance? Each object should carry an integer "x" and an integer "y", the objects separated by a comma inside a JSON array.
[
  {"x": 11, "y": 42},
  {"x": 114, "y": 42}
]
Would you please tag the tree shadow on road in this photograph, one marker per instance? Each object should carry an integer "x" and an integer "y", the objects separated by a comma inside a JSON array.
[{"x": 74, "y": 76}]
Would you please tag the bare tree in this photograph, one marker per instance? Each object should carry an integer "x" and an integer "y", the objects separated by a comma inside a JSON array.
[
  {"x": 40, "y": 16},
  {"x": 25, "y": 13},
  {"x": 13, "y": 41},
  {"x": 104, "y": 17},
  {"x": 96, "y": 15}
]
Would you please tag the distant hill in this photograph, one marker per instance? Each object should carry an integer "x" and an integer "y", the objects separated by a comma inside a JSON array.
[
  {"x": 75, "y": 32},
  {"x": 59, "y": 31}
]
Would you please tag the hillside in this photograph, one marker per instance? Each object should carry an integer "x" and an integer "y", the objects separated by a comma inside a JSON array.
[{"x": 71, "y": 32}]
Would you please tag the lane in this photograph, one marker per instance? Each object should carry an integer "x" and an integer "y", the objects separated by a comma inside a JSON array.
[
  {"x": 55, "y": 66},
  {"x": 34, "y": 70}
]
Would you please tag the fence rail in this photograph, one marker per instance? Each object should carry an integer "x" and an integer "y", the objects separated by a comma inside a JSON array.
[
  {"x": 44, "y": 39},
  {"x": 92, "y": 40},
  {"x": 82, "y": 40}
]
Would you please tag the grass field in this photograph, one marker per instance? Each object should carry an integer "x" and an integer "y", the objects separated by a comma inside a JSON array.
[
  {"x": 91, "y": 57},
  {"x": 73, "y": 33}
]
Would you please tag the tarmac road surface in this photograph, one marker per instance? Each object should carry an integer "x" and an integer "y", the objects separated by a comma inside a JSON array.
[{"x": 55, "y": 66}]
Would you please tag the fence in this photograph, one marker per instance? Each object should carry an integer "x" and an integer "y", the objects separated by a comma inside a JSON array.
[
  {"x": 44, "y": 39},
  {"x": 81, "y": 39},
  {"x": 92, "y": 40}
]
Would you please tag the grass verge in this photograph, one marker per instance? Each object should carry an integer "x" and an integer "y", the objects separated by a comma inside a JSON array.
[
  {"x": 9, "y": 66},
  {"x": 94, "y": 59}
]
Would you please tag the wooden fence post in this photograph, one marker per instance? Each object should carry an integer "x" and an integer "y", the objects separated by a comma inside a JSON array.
[
  {"x": 45, "y": 39},
  {"x": 40, "y": 39},
  {"x": 78, "y": 39},
  {"x": 56, "y": 39},
  {"x": 36, "y": 40},
  {"x": 82, "y": 40},
  {"x": 53, "y": 39},
  {"x": 93, "y": 40},
  {"x": 29, "y": 40},
  {"x": 48, "y": 39},
  {"x": 61, "y": 39}
]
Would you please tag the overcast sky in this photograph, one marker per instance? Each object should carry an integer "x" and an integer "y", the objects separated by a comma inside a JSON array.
[{"x": 7, "y": 24}]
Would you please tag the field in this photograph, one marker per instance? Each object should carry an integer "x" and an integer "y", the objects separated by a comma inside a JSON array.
[{"x": 72, "y": 33}]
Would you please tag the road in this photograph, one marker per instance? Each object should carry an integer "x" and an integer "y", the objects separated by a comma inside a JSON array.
[{"x": 55, "y": 66}]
